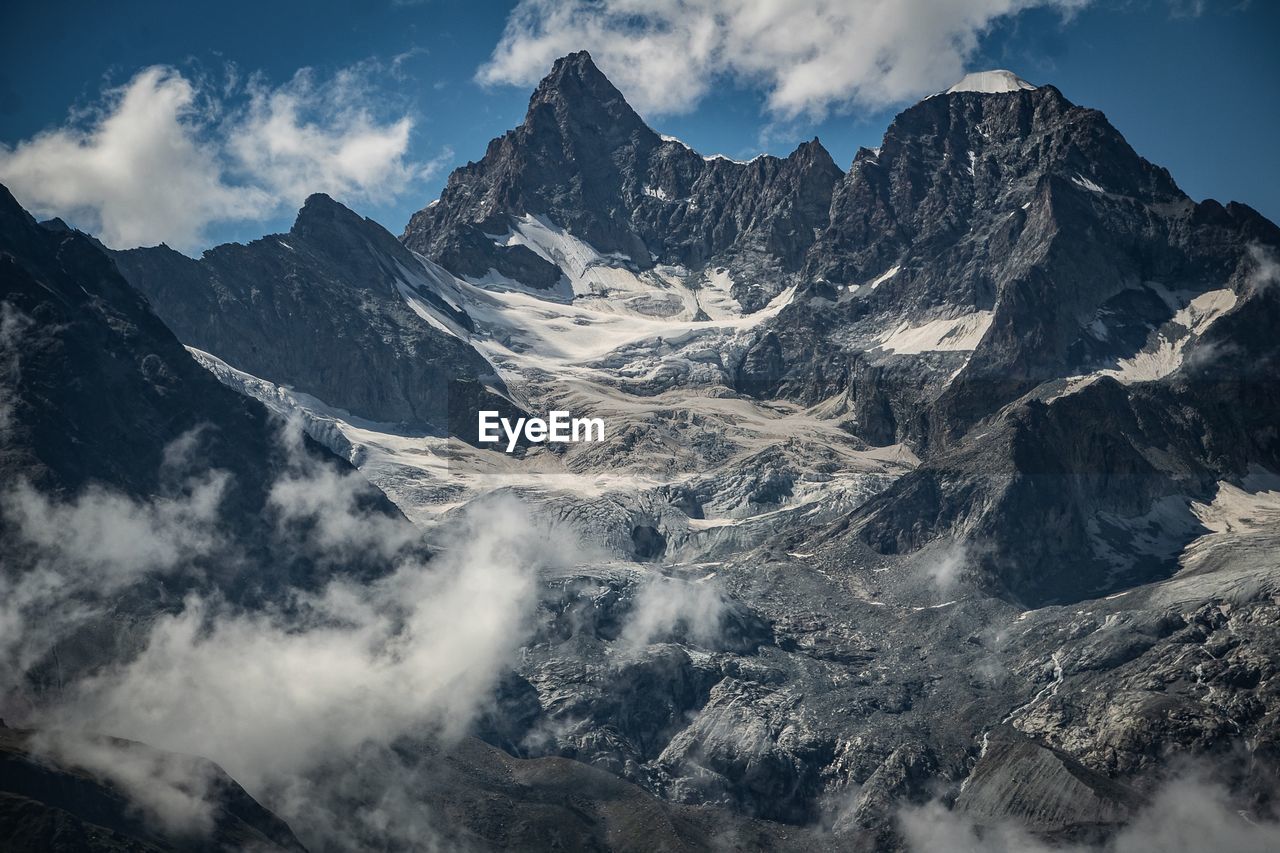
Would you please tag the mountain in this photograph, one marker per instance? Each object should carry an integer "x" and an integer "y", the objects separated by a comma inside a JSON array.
[
  {"x": 1003, "y": 266},
  {"x": 1036, "y": 310},
  {"x": 321, "y": 310},
  {"x": 1064, "y": 353},
  {"x": 125, "y": 456},
  {"x": 584, "y": 160},
  {"x": 100, "y": 394},
  {"x": 131, "y": 479},
  {"x": 943, "y": 489}
]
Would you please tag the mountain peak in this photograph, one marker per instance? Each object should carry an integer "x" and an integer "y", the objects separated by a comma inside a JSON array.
[
  {"x": 579, "y": 62},
  {"x": 576, "y": 86},
  {"x": 991, "y": 82},
  {"x": 575, "y": 74},
  {"x": 318, "y": 211}
]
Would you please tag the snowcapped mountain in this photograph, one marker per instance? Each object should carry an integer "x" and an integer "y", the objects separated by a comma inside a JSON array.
[
  {"x": 584, "y": 161},
  {"x": 951, "y": 475}
]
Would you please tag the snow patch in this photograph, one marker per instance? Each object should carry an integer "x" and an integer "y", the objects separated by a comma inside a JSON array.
[
  {"x": 1252, "y": 506},
  {"x": 710, "y": 157},
  {"x": 957, "y": 334},
  {"x": 883, "y": 277},
  {"x": 991, "y": 82},
  {"x": 1162, "y": 359},
  {"x": 1081, "y": 181},
  {"x": 427, "y": 312}
]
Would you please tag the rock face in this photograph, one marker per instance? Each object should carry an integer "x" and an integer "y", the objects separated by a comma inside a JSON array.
[
  {"x": 1024, "y": 214},
  {"x": 484, "y": 799},
  {"x": 584, "y": 160},
  {"x": 1041, "y": 788},
  {"x": 100, "y": 392},
  {"x": 320, "y": 310}
]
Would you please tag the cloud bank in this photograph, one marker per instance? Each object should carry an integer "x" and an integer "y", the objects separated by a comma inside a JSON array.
[
  {"x": 810, "y": 56},
  {"x": 166, "y": 155}
]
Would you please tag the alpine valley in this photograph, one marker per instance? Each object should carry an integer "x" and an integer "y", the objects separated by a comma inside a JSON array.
[{"x": 939, "y": 505}]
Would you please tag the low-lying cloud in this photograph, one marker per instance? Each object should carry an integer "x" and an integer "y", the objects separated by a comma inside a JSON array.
[
  {"x": 13, "y": 324},
  {"x": 268, "y": 694},
  {"x": 166, "y": 155},
  {"x": 168, "y": 789},
  {"x": 1186, "y": 815},
  {"x": 945, "y": 570},
  {"x": 67, "y": 559},
  {"x": 664, "y": 609},
  {"x": 284, "y": 697},
  {"x": 810, "y": 56},
  {"x": 286, "y": 701}
]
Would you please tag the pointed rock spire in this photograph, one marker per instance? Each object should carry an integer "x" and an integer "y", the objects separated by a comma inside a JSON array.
[{"x": 576, "y": 90}]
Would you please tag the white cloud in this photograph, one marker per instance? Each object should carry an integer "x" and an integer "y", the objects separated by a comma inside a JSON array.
[
  {"x": 163, "y": 157},
  {"x": 307, "y": 136},
  {"x": 292, "y": 698},
  {"x": 945, "y": 570},
  {"x": 65, "y": 560},
  {"x": 168, "y": 788},
  {"x": 664, "y": 607},
  {"x": 13, "y": 324},
  {"x": 275, "y": 696},
  {"x": 139, "y": 173},
  {"x": 810, "y": 56},
  {"x": 1266, "y": 268}
]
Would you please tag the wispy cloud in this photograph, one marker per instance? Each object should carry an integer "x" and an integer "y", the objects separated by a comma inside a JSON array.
[
  {"x": 1185, "y": 815},
  {"x": 168, "y": 154},
  {"x": 664, "y": 608},
  {"x": 171, "y": 790},
  {"x": 810, "y": 56},
  {"x": 285, "y": 698}
]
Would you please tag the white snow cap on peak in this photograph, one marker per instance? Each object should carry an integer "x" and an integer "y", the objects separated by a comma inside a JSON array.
[{"x": 990, "y": 82}]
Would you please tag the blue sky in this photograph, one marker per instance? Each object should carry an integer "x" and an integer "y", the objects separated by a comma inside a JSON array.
[{"x": 1192, "y": 85}]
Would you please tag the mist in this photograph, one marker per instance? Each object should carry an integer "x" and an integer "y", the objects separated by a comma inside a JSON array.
[{"x": 284, "y": 698}]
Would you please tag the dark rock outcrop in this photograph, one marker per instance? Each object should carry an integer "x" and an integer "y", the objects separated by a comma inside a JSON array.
[{"x": 1040, "y": 788}]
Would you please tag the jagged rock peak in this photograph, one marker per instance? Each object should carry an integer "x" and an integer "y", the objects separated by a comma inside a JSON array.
[
  {"x": 578, "y": 66},
  {"x": 811, "y": 151},
  {"x": 576, "y": 86},
  {"x": 320, "y": 212},
  {"x": 991, "y": 82}
]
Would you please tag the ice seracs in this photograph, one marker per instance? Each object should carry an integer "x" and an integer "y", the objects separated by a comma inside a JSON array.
[{"x": 990, "y": 82}]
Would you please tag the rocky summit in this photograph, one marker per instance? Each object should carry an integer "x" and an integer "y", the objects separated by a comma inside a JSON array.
[{"x": 940, "y": 493}]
